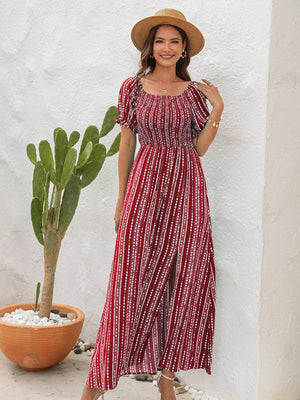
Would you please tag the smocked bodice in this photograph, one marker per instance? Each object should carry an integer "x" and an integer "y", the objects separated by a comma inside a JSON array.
[{"x": 162, "y": 120}]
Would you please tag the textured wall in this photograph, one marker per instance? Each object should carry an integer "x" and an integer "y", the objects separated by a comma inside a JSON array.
[
  {"x": 236, "y": 57},
  {"x": 279, "y": 346},
  {"x": 62, "y": 64}
]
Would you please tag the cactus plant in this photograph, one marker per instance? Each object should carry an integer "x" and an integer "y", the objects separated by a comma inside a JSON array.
[{"x": 58, "y": 178}]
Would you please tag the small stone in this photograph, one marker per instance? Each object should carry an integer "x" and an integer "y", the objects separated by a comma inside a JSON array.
[
  {"x": 197, "y": 396},
  {"x": 141, "y": 377},
  {"x": 77, "y": 350},
  {"x": 88, "y": 346},
  {"x": 180, "y": 390},
  {"x": 62, "y": 314},
  {"x": 54, "y": 310},
  {"x": 71, "y": 316}
]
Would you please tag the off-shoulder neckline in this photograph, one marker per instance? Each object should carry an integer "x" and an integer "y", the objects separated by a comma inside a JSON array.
[{"x": 191, "y": 83}]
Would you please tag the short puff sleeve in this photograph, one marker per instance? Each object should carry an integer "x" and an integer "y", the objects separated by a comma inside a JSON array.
[
  {"x": 200, "y": 112},
  {"x": 126, "y": 104}
]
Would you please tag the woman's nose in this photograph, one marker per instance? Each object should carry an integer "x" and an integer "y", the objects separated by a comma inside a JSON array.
[{"x": 166, "y": 46}]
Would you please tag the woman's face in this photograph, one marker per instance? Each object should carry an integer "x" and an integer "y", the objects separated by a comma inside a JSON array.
[{"x": 167, "y": 46}]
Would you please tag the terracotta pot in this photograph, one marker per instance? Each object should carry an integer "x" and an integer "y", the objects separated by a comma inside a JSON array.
[{"x": 38, "y": 347}]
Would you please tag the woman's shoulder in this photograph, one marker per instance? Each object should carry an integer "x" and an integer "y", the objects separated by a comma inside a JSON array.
[
  {"x": 129, "y": 84},
  {"x": 196, "y": 89}
]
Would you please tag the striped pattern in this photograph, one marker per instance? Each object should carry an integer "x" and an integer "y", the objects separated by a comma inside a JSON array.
[{"x": 165, "y": 217}]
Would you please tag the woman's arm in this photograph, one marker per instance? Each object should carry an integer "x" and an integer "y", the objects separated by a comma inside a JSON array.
[
  {"x": 126, "y": 157},
  {"x": 207, "y": 135}
]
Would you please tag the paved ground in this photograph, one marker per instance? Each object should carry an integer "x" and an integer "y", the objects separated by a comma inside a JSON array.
[{"x": 65, "y": 381}]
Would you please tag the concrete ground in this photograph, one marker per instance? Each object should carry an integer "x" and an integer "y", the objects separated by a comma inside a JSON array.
[{"x": 65, "y": 381}]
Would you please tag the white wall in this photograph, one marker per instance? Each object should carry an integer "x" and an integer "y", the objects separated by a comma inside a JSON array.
[
  {"x": 61, "y": 65},
  {"x": 236, "y": 56},
  {"x": 279, "y": 346}
]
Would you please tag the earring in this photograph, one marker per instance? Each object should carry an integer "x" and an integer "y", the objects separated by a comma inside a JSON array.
[
  {"x": 183, "y": 54},
  {"x": 151, "y": 56}
]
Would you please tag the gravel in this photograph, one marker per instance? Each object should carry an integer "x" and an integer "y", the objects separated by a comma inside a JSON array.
[{"x": 30, "y": 317}]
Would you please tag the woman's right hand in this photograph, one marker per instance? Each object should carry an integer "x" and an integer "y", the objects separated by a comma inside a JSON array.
[
  {"x": 126, "y": 157},
  {"x": 118, "y": 214}
]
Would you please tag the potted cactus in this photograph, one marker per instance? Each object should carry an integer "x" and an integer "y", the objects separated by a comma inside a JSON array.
[{"x": 58, "y": 178}]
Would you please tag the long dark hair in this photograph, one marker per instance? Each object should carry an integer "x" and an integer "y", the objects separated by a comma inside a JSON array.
[{"x": 147, "y": 62}]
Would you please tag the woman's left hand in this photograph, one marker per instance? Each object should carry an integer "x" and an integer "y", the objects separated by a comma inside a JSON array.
[{"x": 212, "y": 93}]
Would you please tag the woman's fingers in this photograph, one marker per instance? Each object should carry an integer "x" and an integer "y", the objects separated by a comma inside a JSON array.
[
  {"x": 210, "y": 91},
  {"x": 117, "y": 223},
  {"x": 117, "y": 216},
  {"x": 207, "y": 82},
  {"x": 207, "y": 85}
]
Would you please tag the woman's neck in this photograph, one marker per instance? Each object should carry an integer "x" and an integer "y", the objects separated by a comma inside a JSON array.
[{"x": 164, "y": 74}]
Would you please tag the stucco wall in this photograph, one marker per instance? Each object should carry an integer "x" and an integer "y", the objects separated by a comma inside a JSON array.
[
  {"x": 279, "y": 346},
  {"x": 61, "y": 65}
]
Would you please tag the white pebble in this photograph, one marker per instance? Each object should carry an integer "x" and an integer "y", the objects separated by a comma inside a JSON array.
[
  {"x": 29, "y": 317},
  {"x": 197, "y": 396}
]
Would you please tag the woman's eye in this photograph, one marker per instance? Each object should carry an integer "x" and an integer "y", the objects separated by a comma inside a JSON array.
[{"x": 161, "y": 41}]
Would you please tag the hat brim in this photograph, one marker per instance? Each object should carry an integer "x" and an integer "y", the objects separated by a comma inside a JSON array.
[{"x": 141, "y": 29}]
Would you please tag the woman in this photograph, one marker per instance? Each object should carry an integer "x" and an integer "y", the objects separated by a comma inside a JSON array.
[{"x": 160, "y": 305}]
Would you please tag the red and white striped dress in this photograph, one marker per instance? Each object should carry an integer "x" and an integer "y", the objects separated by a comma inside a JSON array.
[{"x": 165, "y": 217}]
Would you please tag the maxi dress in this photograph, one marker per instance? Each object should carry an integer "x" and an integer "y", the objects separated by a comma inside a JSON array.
[{"x": 165, "y": 222}]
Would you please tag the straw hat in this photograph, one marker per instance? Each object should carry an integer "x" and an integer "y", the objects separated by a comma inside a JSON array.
[{"x": 167, "y": 16}]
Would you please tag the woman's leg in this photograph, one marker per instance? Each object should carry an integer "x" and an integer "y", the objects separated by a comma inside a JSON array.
[
  {"x": 91, "y": 393},
  {"x": 166, "y": 385}
]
